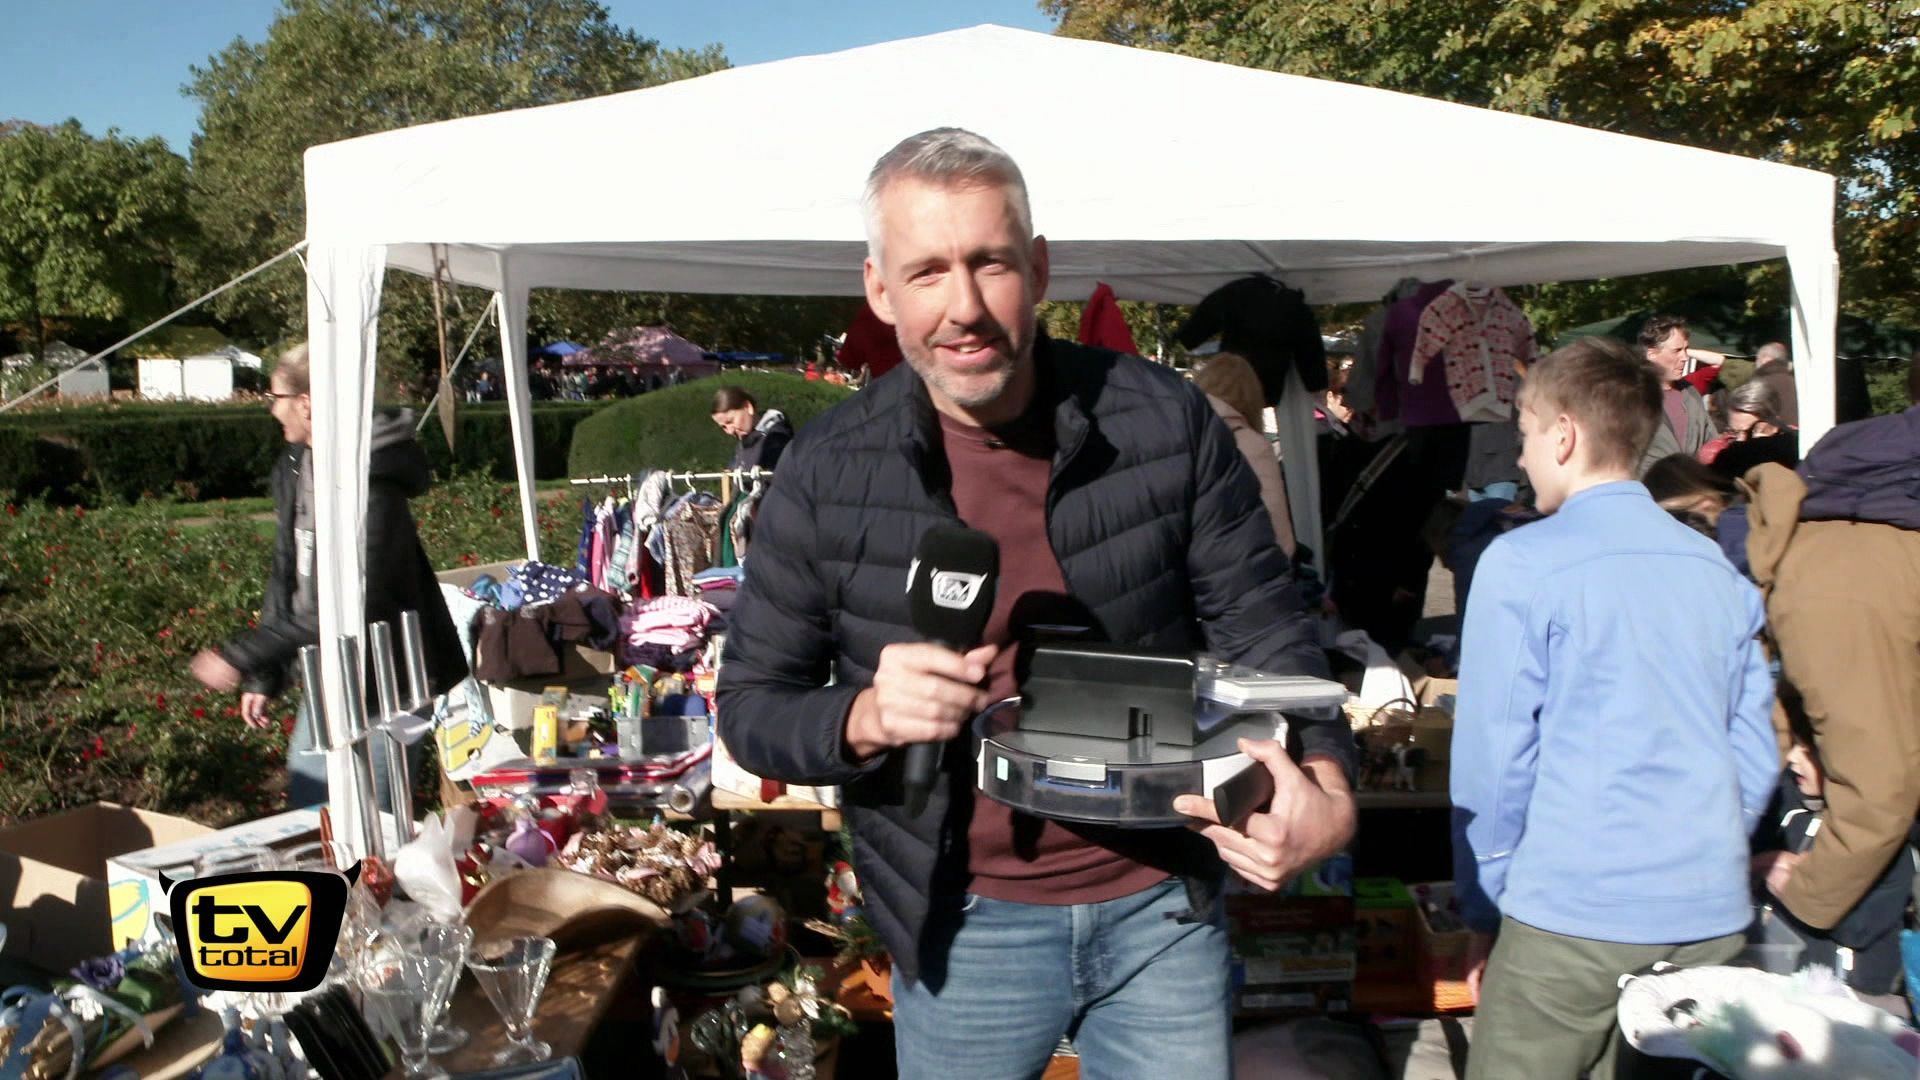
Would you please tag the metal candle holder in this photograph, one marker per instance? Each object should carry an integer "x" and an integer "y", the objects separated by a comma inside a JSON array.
[{"x": 394, "y": 716}]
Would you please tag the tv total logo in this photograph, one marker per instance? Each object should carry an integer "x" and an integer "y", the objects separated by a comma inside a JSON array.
[{"x": 265, "y": 930}]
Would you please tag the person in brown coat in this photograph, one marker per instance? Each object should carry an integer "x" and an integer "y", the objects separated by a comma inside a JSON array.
[
  {"x": 1843, "y": 606},
  {"x": 1233, "y": 389}
]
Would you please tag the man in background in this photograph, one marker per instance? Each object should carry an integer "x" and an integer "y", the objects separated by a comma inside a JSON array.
[
  {"x": 1665, "y": 341},
  {"x": 1772, "y": 366}
]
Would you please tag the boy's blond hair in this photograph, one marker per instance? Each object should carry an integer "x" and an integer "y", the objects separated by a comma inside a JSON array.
[{"x": 1613, "y": 392}]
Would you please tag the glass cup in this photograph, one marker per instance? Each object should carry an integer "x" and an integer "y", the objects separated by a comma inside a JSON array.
[
  {"x": 399, "y": 988},
  {"x": 238, "y": 859},
  {"x": 513, "y": 973},
  {"x": 453, "y": 941},
  {"x": 362, "y": 922}
]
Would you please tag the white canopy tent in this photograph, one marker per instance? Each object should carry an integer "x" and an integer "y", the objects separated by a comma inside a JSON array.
[{"x": 1161, "y": 175}]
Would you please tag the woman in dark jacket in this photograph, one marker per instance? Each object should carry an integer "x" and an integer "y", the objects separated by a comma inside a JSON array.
[
  {"x": 399, "y": 576},
  {"x": 763, "y": 436}
]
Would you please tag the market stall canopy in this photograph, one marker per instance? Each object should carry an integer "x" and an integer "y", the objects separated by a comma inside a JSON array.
[
  {"x": 1444, "y": 190},
  {"x": 1227, "y": 183},
  {"x": 653, "y": 347},
  {"x": 559, "y": 348}
]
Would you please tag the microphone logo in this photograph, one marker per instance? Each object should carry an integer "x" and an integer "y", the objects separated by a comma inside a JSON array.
[{"x": 956, "y": 591}]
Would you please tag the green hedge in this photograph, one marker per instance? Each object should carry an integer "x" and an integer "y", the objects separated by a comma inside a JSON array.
[
  {"x": 483, "y": 439},
  {"x": 119, "y": 454},
  {"x": 674, "y": 429}
]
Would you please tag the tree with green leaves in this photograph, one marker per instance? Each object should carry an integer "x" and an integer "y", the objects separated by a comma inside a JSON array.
[
  {"x": 1825, "y": 84},
  {"x": 336, "y": 69},
  {"x": 88, "y": 227}
]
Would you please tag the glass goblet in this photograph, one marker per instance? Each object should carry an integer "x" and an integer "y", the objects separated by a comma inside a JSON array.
[
  {"x": 513, "y": 974},
  {"x": 453, "y": 941}
]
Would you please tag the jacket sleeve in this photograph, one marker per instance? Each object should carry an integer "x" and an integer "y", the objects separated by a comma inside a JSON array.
[
  {"x": 1496, "y": 729},
  {"x": 1756, "y": 751},
  {"x": 265, "y": 653},
  {"x": 778, "y": 714},
  {"x": 1250, "y": 606}
]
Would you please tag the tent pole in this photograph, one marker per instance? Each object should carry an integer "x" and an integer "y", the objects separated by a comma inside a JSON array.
[
  {"x": 343, "y": 306},
  {"x": 511, "y": 302},
  {"x": 1815, "y": 279}
]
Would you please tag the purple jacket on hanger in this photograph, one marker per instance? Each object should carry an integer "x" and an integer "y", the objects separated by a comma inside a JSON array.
[{"x": 1427, "y": 403}]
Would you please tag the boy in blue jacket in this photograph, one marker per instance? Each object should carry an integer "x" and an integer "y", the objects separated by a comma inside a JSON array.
[{"x": 1613, "y": 748}]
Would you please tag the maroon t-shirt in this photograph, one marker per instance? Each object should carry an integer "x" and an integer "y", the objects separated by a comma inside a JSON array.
[{"x": 1000, "y": 487}]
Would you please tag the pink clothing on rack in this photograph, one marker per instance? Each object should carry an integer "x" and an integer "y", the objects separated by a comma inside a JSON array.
[
  {"x": 678, "y": 622},
  {"x": 597, "y": 555},
  {"x": 1486, "y": 341}
]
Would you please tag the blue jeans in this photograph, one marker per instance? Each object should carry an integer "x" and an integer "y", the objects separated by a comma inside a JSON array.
[{"x": 1139, "y": 993}]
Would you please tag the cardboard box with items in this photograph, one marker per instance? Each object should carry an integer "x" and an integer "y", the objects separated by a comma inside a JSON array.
[{"x": 1293, "y": 951}]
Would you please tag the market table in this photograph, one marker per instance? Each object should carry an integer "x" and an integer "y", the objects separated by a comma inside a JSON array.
[{"x": 581, "y": 989}]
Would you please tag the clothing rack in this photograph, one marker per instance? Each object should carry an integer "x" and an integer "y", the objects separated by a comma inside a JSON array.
[{"x": 727, "y": 478}]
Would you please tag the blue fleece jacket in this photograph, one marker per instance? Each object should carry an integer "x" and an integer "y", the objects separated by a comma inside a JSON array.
[{"x": 1613, "y": 746}]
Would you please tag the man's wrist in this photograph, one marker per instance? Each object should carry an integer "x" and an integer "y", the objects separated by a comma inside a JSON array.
[
  {"x": 1327, "y": 771},
  {"x": 858, "y": 738}
]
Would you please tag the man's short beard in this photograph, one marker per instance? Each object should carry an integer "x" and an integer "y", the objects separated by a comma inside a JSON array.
[{"x": 921, "y": 360}]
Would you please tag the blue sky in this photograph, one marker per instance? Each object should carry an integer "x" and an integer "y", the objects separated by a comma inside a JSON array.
[{"x": 120, "y": 63}]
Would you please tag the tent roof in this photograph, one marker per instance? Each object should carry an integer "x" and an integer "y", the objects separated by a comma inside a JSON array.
[{"x": 1228, "y": 181}]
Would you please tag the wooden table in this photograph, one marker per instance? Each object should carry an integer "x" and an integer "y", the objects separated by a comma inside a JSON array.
[
  {"x": 728, "y": 801},
  {"x": 579, "y": 992}
]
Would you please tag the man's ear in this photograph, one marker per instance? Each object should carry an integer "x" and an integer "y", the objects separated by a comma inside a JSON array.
[
  {"x": 1566, "y": 436},
  {"x": 1042, "y": 267},
  {"x": 877, "y": 297}
]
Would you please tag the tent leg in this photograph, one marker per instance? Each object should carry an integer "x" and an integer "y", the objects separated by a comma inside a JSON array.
[
  {"x": 1815, "y": 274},
  {"x": 343, "y": 310},
  {"x": 512, "y": 302}
]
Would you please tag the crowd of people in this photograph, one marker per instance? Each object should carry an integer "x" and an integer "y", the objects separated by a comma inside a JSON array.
[
  {"x": 1639, "y": 660},
  {"x": 551, "y": 381}
]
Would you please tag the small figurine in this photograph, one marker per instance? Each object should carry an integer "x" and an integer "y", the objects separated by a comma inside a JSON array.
[
  {"x": 754, "y": 1052},
  {"x": 666, "y": 1032},
  {"x": 843, "y": 891}
]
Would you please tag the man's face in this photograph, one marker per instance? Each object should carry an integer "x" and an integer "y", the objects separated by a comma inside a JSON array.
[
  {"x": 1541, "y": 456},
  {"x": 958, "y": 280},
  {"x": 735, "y": 422},
  {"x": 294, "y": 411},
  {"x": 1670, "y": 356}
]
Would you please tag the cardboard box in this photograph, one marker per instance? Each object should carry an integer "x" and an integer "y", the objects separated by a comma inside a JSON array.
[
  {"x": 1291, "y": 953},
  {"x": 1442, "y": 952},
  {"x": 581, "y": 668},
  {"x": 1383, "y": 929},
  {"x": 63, "y": 901},
  {"x": 1427, "y": 689},
  {"x": 136, "y": 874}
]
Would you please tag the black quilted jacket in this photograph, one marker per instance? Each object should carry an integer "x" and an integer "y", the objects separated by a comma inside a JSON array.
[{"x": 1159, "y": 529}]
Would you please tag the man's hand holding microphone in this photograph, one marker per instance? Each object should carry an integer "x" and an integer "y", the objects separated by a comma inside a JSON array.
[
  {"x": 922, "y": 693},
  {"x": 925, "y": 693}
]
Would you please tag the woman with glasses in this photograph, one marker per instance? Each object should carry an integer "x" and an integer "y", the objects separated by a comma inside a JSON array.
[
  {"x": 1756, "y": 433},
  {"x": 399, "y": 578}
]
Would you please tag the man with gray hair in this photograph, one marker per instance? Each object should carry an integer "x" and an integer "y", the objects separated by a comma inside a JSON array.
[
  {"x": 1123, "y": 513},
  {"x": 1772, "y": 366}
]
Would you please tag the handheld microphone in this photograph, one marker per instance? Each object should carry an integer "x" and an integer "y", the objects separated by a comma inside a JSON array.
[{"x": 950, "y": 590}]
